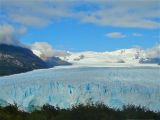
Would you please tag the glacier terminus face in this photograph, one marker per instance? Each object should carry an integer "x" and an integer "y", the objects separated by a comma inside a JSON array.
[{"x": 65, "y": 87}]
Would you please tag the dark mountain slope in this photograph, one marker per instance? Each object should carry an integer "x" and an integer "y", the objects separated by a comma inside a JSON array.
[
  {"x": 150, "y": 60},
  {"x": 55, "y": 61},
  {"x": 15, "y": 59}
]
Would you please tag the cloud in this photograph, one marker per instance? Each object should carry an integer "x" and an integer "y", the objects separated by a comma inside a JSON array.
[
  {"x": 30, "y": 20},
  {"x": 45, "y": 50},
  {"x": 42, "y": 49},
  {"x": 137, "y": 34},
  {"x": 37, "y": 13},
  {"x": 124, "y": 13},
  {"x": 119, "y": 13},
  {"x": 10, "y": 35},
  {"x": 153, "y": 52},
  {"x": 115, "y": 35}
]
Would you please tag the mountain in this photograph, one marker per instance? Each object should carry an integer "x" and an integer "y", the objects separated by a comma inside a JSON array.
[
  {"x": 14, "y": 59},
  {"x": 130, "y": 56},
  {"x": 150, "y": 60},
  {"x": 55, "y": 61},
  {"x": 127, "y": 56}
]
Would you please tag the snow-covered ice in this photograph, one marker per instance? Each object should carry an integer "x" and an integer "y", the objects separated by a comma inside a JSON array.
[{"x": 114, "y": 86}]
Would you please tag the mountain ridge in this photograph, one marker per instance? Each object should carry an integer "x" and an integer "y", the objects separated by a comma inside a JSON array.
[
  {"x": 17, "y": 59},
  {"x": 130, "y": 56},
  {"x": 14, "y": 59}
]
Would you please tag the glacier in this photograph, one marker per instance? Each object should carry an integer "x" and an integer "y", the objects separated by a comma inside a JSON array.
[{"x": 68, "y": 86}]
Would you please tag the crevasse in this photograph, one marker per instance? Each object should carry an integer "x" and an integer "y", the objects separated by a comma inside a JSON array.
[{"x": 61, "y": 87}]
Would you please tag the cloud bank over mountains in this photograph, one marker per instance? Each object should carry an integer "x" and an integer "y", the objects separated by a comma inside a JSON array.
[
  {"x": 10, "y": 35},
  {"x": 153, "y": 52},
  {"x": 45, "y": 50}
]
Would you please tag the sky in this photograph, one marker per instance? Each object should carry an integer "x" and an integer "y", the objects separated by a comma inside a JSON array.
[{"x": 81, "y": 25}]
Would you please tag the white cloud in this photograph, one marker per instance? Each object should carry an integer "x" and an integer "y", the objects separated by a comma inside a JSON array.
[
  {"x": 153, "y": 52},
  {"x": 124, "y": 13},
  {"x": 30, "y": 20},
  {"x": 115, "y": 35},
  {"x": 45, "y": 50},
  {"x": 22, "y": 30},
  {"x": 121, "y": 13},
  {"x": 10, "y": 35},
  {"x": 137, "y": 34}
]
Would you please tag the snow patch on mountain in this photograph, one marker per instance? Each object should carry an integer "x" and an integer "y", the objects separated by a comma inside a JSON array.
[
  {"x": 130, "y": 56},
  {"x": 135, "y": 55}
]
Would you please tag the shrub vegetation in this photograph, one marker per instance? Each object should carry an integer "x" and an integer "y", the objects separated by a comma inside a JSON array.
[{"x": 79, "y": 112}]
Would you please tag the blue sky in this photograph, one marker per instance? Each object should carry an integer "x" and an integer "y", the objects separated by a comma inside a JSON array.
[
  {"x": 83, "y": 26},
  {"x": 75, "y": 36}
]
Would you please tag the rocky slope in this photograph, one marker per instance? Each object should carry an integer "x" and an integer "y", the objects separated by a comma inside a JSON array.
[{"x": 15, "y": 59}]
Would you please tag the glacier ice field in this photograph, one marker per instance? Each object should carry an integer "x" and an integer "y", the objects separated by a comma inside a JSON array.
[{"x": 65, "y": 87}]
